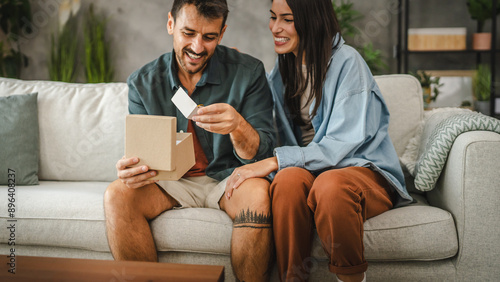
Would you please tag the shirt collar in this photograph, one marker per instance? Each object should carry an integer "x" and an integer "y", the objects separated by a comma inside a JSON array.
[
  {"x": 211, "y": 73},
  {"x": 337, "y": 43}
]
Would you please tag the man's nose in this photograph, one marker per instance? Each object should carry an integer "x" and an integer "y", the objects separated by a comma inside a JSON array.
[{"x": 197, "y": 44}]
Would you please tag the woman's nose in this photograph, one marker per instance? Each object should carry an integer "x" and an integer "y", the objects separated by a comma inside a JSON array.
[{"x": 275, "y": 27}]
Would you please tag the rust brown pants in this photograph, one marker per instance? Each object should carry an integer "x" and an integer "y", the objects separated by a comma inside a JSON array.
[{"x": 337, "y": 203}]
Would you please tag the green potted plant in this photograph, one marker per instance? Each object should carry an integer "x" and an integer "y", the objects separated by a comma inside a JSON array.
[
  {"x": 98, "y": 67},
  {"x": 430, "y": 86},
  {"x": 466, "y": 104},
  {"x": 482, "y": 89},
  {"x": 373, "y": 58},
  {"x": 63, "y": 58},
  {"x": 15, "y": 16},
  {"x": 346, "y": 16},
  {"x": 481, "y": 10}
]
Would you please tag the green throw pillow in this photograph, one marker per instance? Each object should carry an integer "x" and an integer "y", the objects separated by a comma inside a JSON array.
[{"x": 19, "y": 143}]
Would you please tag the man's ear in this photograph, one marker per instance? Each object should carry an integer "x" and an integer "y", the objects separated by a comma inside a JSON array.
[
  {"x": 222, "y": 33},
  {"x": 170, "y": 23}
]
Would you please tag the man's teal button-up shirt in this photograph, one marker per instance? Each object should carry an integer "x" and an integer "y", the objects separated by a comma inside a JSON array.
[{"x": 230, "y": 77}]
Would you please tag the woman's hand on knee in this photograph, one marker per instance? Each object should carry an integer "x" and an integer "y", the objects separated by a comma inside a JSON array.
[{"x": 256, "y": 170}]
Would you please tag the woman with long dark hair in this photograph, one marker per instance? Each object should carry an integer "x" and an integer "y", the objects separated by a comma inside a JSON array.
[{"x": 336, "y": 165}]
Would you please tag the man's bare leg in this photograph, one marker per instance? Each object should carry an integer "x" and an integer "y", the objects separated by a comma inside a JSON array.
[
  {"x": 251, "y": 244},
  {"x": 128, "y": 212}
]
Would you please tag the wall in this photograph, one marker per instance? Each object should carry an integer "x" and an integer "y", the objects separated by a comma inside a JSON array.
[
  {"x": 138, "y": 33},
  {"x": 137, "y": 30}
]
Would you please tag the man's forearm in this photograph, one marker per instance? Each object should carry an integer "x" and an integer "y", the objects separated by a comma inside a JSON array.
[{"x": 245, "y": 140}]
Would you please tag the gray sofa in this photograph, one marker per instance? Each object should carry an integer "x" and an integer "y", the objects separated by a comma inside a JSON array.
[{"x": 451, "y": 233}]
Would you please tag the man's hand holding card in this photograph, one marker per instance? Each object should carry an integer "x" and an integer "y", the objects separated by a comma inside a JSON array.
[{"x": 217, "y": 118}]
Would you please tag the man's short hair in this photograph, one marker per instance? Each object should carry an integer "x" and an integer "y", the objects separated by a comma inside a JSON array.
[{"x": 210, "y": 9}]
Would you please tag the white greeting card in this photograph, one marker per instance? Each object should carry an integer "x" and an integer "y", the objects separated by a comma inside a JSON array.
[{"x": 184, "y": 103}]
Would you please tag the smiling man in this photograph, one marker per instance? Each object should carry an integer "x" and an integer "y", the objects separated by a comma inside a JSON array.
[{"x": 234, "y": 128}]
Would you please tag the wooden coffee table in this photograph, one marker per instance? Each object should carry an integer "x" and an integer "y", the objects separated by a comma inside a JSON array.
[{"x": 65, "y": 269}]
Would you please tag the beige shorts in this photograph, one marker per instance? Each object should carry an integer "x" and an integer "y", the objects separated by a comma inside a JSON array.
[{"x": 195, "y": 192}]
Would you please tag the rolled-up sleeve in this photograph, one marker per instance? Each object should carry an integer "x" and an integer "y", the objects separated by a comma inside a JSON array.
[{"x": 346, "y": 131}]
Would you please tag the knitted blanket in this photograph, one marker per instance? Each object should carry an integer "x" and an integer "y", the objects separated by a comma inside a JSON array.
[{"x": 434, "y": 153}]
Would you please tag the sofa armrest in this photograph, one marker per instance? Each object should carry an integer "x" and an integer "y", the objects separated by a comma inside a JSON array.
[{"x": 469, "y": 189}]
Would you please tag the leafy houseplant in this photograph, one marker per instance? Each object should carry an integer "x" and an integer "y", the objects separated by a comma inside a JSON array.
[
  {"x": 98, "y": 66},
  {"x": 15, "y": 16},
  {"x": 482, "y": 10},
  {"x": 430, "y": 86},
  {"x": 373, "y": 58},
  {"x": 64, "y": 52},
  {"x": 466, "y": 104},
  {"x": 346, "y": 16},
  {"x": 482, "y": 88}
]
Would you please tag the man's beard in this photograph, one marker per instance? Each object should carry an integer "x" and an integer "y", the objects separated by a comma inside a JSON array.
[{"x": 183, "y": 63}]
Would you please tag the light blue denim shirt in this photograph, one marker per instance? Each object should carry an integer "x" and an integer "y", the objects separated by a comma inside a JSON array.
[{"x": 350, "y": 125}]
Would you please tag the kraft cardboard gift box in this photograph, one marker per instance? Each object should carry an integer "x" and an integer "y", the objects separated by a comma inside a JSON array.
[{"x": 157, "y": 144}]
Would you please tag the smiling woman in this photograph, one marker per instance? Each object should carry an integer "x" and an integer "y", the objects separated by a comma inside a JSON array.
[
  {"x": 293, "y": 35},
  {"x": 286, "y": 39}
]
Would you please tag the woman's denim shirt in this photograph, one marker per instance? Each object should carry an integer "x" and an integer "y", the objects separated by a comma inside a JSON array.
[{"x": 350, "y": 125}]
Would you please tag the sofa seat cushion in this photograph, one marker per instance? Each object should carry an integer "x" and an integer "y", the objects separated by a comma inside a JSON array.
[
  {"x": 71, "y": 214},
  {"x": 193, "y": 230},
  {"x": 58, "y": 214}
]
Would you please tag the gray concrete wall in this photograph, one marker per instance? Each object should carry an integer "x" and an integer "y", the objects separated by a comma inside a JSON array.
[{"x": 137, "y": 30}]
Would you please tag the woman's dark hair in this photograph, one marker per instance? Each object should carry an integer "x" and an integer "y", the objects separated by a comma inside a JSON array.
[
  {"x": 210, "y": 9},
  {"x": 316, "y": 25}
]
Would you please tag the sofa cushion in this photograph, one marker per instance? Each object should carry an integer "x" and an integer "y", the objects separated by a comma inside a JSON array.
[
  {"x": 63, "y": 214},
  {"x": 415, "y": 232},
  {"x": 403, "y": 96},
  {"x": 82, "y": 127},
  {"x": 70, "y": 214},
  {"x": 19, "y": 139}
]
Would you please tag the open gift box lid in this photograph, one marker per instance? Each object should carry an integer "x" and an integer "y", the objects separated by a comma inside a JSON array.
[{"x": 155, "y": 141}]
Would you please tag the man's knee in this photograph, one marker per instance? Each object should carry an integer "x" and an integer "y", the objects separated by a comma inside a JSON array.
[
  {"x": 256, "y": 193},
  {"x": 252, "y": 197},
  {"x": 117, "y": 195}
]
